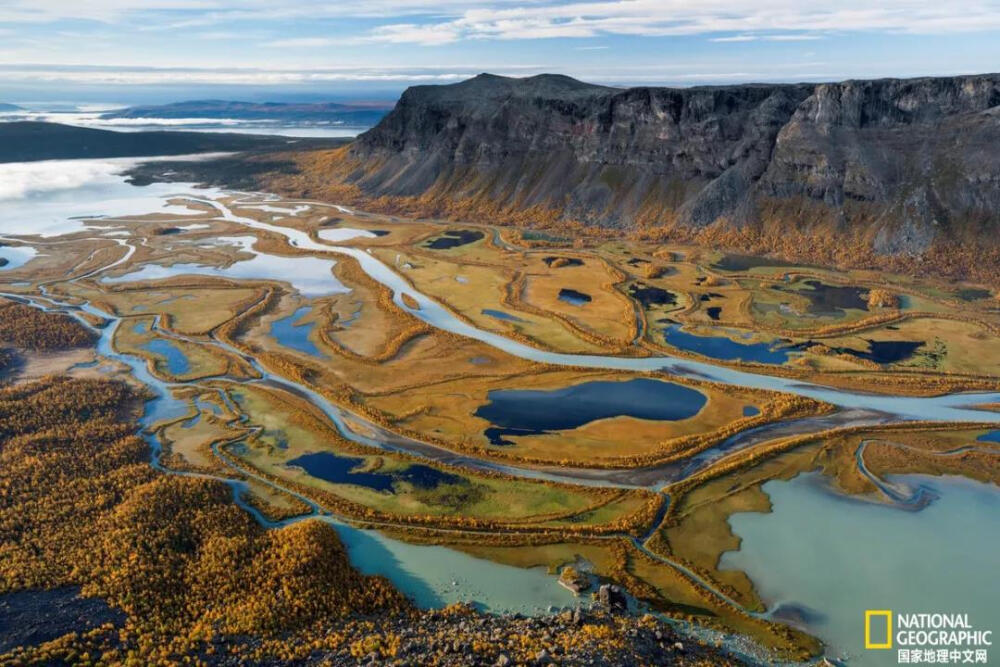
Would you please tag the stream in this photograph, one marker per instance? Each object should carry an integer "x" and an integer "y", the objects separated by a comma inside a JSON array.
[{"x": 434, "y": 575}]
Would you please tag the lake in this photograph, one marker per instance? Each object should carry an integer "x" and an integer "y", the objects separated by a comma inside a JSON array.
[
  {"x": 534, "y": 411},
  {"x": 829, "y": 557}
]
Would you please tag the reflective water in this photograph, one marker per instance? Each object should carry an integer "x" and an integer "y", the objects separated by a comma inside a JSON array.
[
  {"x": 500, "y": 315},
  {"x": 724, "y": 348},
  {"x": 292, "y": 332},
  {"x": 176, "y": 362},
  {"x": 54, "y": 197},
  {"x": 343, "y": 470},
  {"x": 14, "y": 257},
  {"x": 428, "y": 573},
  {"x": 435, "y": 576},
  {"x": 532, "y": 411},
  {"x": 574, "y": 297},
  {"x": 947, "y": 407},
  {"x": 344, "y": 234},
  {"x": 834, "y": 557},
  {"x": 453, "y": 239},
  {"x": 992, "y": 436},
  {"x": 311, "y": 276}
]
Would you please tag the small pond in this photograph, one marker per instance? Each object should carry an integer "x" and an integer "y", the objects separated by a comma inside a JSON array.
[
  {"x": 341, "y": 470},
  {"x": 538, "y": 411},
  {"x": 972, "y": 294},
  {"x": 454, "y": 239},
  {"x": 573, "y": 297},
  {"x": 562, "y": 261},
  {"x": 337, "y": 234},
  {"x": 177, "y": 363},
  {"x": 880, "y": 351},
  {"x": 992, "y": 436},
  {"x": 747, "y": 262},
  {"x": 292, "y": 332},
  {"x": 500, "y": 315},
  {"x": 652, "y": 296},
  {"x": 723, "y": 348},
  {"x": 830, "y": 300}
]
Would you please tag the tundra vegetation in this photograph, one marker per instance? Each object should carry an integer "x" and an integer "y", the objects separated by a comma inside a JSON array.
[{"x": 196, "y": 575}]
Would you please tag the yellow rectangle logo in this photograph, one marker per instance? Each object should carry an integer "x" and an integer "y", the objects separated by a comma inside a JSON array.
[{"x": 878, "y": 613}]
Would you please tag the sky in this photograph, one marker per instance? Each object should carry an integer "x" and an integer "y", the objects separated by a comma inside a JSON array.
[{"x": 128, "y": 51}]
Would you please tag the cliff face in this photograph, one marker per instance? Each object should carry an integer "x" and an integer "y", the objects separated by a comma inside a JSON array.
[{"x": 895, "y": 164}]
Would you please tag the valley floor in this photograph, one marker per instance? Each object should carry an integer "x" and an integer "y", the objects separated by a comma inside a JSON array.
[{"x": 519, "y": 401}]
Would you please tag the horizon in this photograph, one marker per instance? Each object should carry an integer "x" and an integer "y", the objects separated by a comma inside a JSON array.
[
  {"x": 375, "y": 98},
  {"x": 154, "y": 51}
]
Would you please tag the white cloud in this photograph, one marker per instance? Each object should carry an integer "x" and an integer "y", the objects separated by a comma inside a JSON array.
[
  {"x": 792, "y": 38},
  {"x": 21, "y": 179},
  {"x": 746, "y": 18},
  {"x": 443, "y": 21},
  {"x": 247, "y": 76}
]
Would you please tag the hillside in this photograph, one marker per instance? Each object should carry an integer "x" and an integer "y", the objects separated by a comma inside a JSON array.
[
  {"x": 324, "y": 112},
  {"x": 9, "y": 107},
  {"x": 850, "y": 173},
  {"x": 30, "y": 141}
]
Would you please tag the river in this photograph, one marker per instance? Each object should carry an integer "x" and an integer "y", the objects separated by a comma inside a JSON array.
[{"x": 436, "y": 575}]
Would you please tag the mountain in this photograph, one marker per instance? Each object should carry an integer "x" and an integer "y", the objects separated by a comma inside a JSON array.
[
  {"x": 30, "y": 141},
  {"x": 325, "y": 112},
  {"x": 9, "y": 107},
  {"x": 850, "y": 173}
]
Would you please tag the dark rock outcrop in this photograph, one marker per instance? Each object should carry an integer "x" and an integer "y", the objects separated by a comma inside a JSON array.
[{"x": 896, "y": 165}]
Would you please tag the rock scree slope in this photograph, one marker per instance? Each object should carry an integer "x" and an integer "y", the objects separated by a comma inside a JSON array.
[{"x": 888, "y": 167}]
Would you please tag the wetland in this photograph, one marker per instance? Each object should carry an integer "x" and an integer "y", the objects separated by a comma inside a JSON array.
[{"x": 469, "y": 438}]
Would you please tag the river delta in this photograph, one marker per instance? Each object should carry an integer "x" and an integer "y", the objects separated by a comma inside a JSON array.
[{"x": 475, "y": 411}]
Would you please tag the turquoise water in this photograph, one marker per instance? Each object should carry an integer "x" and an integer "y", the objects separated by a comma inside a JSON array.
[
  {"x": 833, "y": 557},
  {"x": 291, "y": 332},
  {"x": 435, "y": 576}
]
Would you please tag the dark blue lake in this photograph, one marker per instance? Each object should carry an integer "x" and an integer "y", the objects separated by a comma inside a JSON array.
[
  {"x": 340, "y": 470},
  {"x": 574, "y": 297},
  {"x": 533, "y": 411},
  {"x": 453, "y": 239},
  {"x": 177, "y": 363},
  {"x": 992, "y": 436},
  {"x": 721, "y": 347},
  {"x": 290, "y": 332}
]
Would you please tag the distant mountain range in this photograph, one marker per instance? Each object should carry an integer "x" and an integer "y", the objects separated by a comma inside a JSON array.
[
  {"x": 30, "y": 141},
  {"x": 9, "y": 107},
  {"x": 326, "y": 112}
]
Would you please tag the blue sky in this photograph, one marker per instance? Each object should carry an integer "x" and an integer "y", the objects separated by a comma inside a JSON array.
[{"x": 126, "y": 50}]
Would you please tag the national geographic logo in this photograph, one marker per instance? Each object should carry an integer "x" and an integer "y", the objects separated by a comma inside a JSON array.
[{"x": 922, "y": 638}]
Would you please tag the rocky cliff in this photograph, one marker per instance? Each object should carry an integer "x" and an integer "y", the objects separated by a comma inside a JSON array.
[{"x": 890, "y": 167}]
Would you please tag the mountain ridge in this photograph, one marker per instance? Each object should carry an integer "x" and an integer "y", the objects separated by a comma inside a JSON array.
[
  {"x": 351, "y": 114},
  {"x": 29, "y": 141},
  {"x": 886, "y": 167}
]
